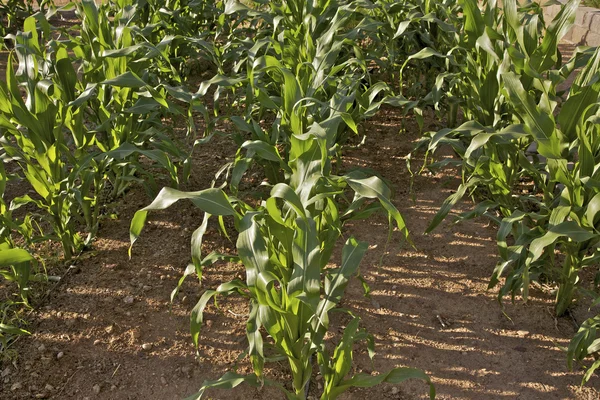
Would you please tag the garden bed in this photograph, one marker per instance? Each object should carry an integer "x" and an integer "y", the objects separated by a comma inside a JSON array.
[{"x": 119, "y": 337}]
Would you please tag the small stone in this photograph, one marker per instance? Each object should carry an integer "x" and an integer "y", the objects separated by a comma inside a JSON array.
[
  {"x": 395, "y": 390},
  {"x": 49, "y": 387},
  {"x": 163, "y": 380},
  {"x": 97, "y": 342},
  {"x": 128, "y": 300},
  {"x": 113, "y": 388},
  {"x": 394, "y": 287},
  {"x": 35, "y": 375},
  {"x": 145, "y": 288},
  {"x": 41, "y": 395},
  {"x": 16, "y": 386},
  {"x": 42, "y": 348},
  {"x": 163, "y": 277},
  {"x": 60, "y": 355},
  {"x": 5, "y": 372},
  {"x": 375, "y": 304},
  {"x": 96, "y": 389},
  {"x": 147, "y": 346}
]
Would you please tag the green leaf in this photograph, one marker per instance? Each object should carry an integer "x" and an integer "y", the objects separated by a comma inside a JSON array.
[
  {"x": 396, "y": 375},
  {"x": 10, "y": 257},
  {"x": 212, "y": 201},
  {"x": 128, "y": 79}
]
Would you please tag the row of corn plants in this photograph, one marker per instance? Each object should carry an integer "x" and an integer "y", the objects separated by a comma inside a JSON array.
[
  {"x": 303, "y": 73},
  {"x": 82, "y": 118},
  {"x": 527, "y": 150}
]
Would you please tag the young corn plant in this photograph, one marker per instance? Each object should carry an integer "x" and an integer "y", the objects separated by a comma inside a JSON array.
[
  {"x": 38, "y": 133},
  {"x": 125, "y": 96},
  {"x": 285, "y": 245},
  {"x": 498, "y": 152},
  {"x": 567, "y": 221}
]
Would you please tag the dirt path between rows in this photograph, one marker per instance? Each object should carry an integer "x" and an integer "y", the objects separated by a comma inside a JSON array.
[{"x": 109, "y": 331}]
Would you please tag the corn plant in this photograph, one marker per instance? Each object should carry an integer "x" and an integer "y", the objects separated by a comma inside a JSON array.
[
  {"x": 12, "y": 15},
  {"x": 124, "y": 93},
  {"x": 15, "y": 266},
  {"x": 34, "y": 136},
  {"x": 495, "y": 162},
  {"x": 284, "y": 247}
]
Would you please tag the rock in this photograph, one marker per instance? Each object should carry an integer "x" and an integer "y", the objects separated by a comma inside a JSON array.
[
  {"x": 113, "y": 388},
  {"x": 128, "y": 300},
  {"x": 49, "y": 387},
  {"x": 96, "y": 389},
  {"x": 35, "y": 375},
  {"x": 145, "y": 288},
  {"x": 60, "y": 355},
  {"x": 16, "y": 386},
  {"x": 163, "y": 380},
  {"x": 395, "y": 390},
  {"x": 41, "y": 348},
  {"x": 6, "y": 372},
  {"x": 375, "y": 304},
  {"x": 41, "y": 395},
  {"x": 147, "y": 346}
]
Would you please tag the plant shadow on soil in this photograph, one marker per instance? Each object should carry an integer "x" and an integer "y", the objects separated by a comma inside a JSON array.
[{"x": 429, "y": 306}]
